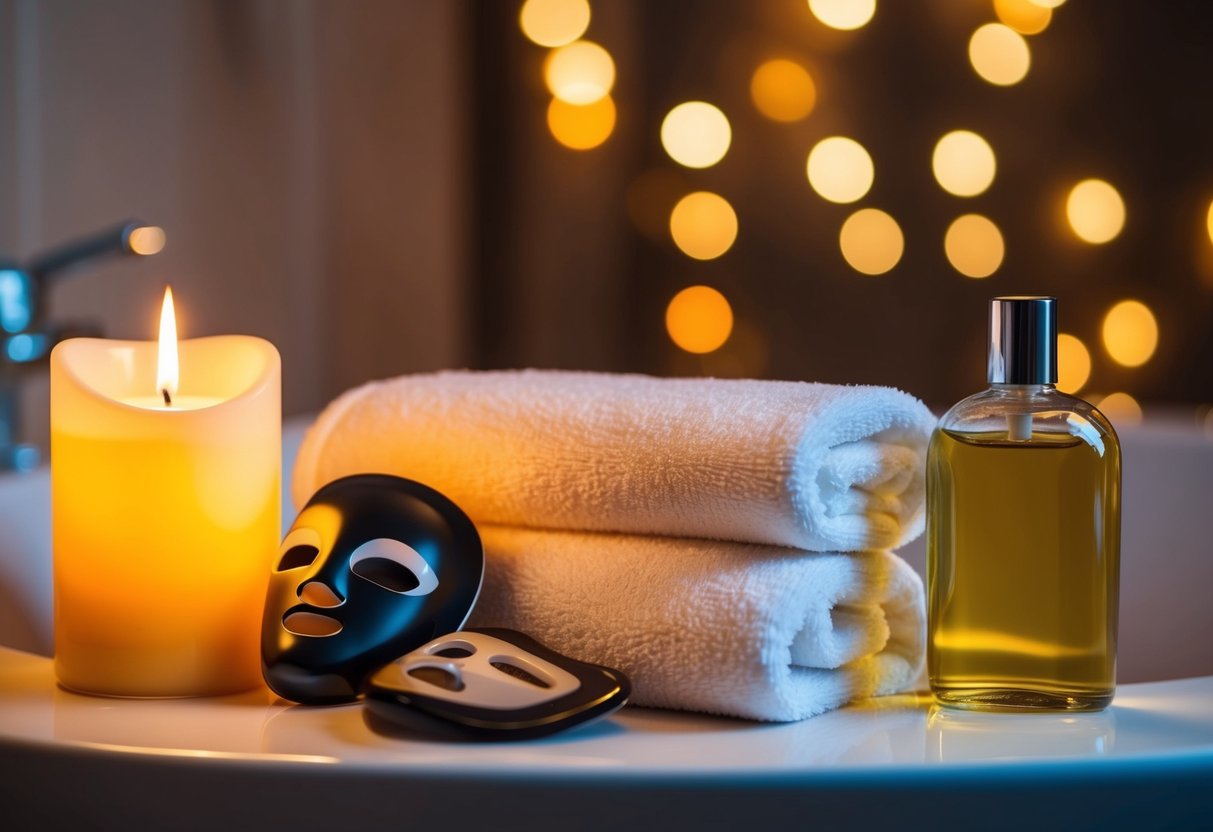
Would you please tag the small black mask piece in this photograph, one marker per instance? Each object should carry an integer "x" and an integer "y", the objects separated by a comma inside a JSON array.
[
  {"x": 374, "y": 566},
  {"x": 490, "y": 684}
]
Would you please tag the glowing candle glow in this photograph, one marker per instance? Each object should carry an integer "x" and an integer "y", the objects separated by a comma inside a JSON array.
[{"x": 165, "y": 477}]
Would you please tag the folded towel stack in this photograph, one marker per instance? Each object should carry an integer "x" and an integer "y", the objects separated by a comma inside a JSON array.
[
  {"x": 744, "y": 628},
  {"x": 813, "y": 466},
  {"x": 728, "y": 628}
]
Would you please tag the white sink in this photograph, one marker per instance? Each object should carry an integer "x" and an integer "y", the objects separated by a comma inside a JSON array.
[{"x": 256, "y": 762}]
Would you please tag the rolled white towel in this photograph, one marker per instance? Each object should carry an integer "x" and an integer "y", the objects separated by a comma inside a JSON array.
[
  {"x": 726, "y": 628},
  {"x": 814, "y": 466}
]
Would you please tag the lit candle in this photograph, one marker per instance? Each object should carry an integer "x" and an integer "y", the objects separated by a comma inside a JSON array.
[{"x": 165, "y": 497}]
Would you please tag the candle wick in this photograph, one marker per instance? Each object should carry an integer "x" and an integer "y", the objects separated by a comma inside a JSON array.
[{"x": 168, "y": 400}]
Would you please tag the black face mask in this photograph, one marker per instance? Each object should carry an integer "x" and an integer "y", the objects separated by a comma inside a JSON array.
[{"x": 373, "y": 567}]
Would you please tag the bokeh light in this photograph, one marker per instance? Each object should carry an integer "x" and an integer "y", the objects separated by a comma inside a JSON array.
[
  {"x": 999, "y": 54},
  {"x": 699, "y": 319},
  {"x": 1023, "y": 16},
  {"x": 974, "y": 246},
  {"x": 1073, "y": 363},
  {"x": 1209, "y": 222},
  {"x": 1130, "y": 333},
  {"x": 554, "y": 22},
  {"x": 1047, "y": 4},
  {"x": 580, "y": 73},
  {"x": 783, "y": 90},
  {"x": 871, "y": 241},
  {"x": 703, "y": 225},
  {"x": 963, "y": 163},
  {"x": 843, "y": 14},
  {"x": 1095, "y": 211},
  {"x": 581, "y": 126},
  {"x": 696, "y": 134},
  {"x": 1121, "y": 409},
  {"x": 840, "y": 169}
]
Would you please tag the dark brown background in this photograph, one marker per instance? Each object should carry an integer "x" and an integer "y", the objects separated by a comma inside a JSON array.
[
  {"x": 1121, "y": 91},
  {"x": 372, "y": 185}
]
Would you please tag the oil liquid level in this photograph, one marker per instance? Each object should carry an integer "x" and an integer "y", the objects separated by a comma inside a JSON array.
[{"x": 1024, "y": 569}]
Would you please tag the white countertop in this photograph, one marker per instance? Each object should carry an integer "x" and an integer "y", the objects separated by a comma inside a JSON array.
[
  {"x": 881, "y": 738},
  {"x": 253, "y": 761}
]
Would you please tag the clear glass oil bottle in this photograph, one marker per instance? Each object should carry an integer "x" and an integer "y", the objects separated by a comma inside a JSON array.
[{"x": 1023, "y": 535}]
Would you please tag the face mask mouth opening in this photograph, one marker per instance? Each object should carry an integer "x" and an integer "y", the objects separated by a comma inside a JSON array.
[{"x": 310, "y": 624}]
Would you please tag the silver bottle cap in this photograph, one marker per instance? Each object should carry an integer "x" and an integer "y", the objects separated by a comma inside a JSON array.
[{"x": 1023, "y": 340}]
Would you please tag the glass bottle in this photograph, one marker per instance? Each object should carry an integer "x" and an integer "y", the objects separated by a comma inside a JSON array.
[{"x": 1023, "y": 537}]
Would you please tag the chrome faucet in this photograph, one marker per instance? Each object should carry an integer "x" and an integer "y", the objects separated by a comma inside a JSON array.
[{"x": 26, "y": 335}]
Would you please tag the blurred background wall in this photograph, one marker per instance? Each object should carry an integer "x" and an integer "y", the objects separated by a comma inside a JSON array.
[
  {"x": 872, "y": 275},
  {"x": 306, "y": 159},
  {"x": 387, "y": 186}
]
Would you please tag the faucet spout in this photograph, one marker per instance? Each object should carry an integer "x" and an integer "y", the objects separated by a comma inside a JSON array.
[
  {"x": 26, "y": 339},
  {"x": 131, "y": 237}
]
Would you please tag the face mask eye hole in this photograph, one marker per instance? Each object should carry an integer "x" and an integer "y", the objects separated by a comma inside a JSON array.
[
  {"x": 438, "y": 677},
  {"x": 297, "y": 556},
  {"x": 393, "y": 565},
  {"x": 386, "y": 573},
  {"x": 518, "y": 673},
  {"x": 452, "y": 649}
]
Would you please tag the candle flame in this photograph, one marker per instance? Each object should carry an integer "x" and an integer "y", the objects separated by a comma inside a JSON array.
[{"x": 166, "y": 365}]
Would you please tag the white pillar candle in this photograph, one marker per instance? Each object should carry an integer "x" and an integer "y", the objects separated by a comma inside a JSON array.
[{"x": 165, "y": 516}]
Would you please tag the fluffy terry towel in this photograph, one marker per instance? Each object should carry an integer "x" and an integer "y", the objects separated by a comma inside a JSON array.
[
  {"x": 813, "y": 466},
  {"x": 727, "y": 628}
]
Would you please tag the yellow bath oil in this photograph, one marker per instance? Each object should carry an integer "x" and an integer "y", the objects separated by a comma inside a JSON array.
[{"x": 1023, "y": 533}]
